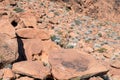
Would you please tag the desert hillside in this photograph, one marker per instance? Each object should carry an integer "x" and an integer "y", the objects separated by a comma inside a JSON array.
[{"x": 59, "y": 39}]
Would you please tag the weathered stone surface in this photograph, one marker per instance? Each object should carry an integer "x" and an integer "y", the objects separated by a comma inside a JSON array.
[
  {"x": 31, "y": 68},
  {"x": 6, "y": 27},
  {"x": 28, "y": 19},
  {"x": 50, "y": 15},
  {"x": 113, "y": 72},
  {"x": 46, "y": 48},
  {"x": 50, "y": 45},
  {"x": 70, "y": 29},
  {"x": 1, "y": 74},
  {"x": 8, "y": 73},
  {"x": 15, "y": 20},
  {"x": 31, "y": 33},
  {"x": 35, "y": 49},
  {"x": 8, "y": 49},
  {"x": 95, "y": 78},
  {"x": 115, "y": 77},
  {"x": 32, "y": 48},
  {"x": 17, "y": 76},
  {"x": 115, "y": 63},
  {"x": 70, "y": 63},
  {"x": 25, "y": 78}
]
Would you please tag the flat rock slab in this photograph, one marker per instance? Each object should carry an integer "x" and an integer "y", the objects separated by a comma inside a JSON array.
[
  {"x": 31, "y": 33},
  {"x": 34, "y": 69},
  {"x": 70, "y": 63}
]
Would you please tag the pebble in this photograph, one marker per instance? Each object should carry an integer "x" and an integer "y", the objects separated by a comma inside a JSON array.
[{"x": 50, "y": 14}]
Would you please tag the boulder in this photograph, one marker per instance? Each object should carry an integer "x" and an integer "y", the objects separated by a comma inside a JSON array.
[
  {"x": 31, "y": 33},
  {"x": 32, "y": 47},
  {"x": 6, "y": 27},
  {"x": 8, "y": 49},
  {"x": 71, "y": 63},
  {"x": 31, "y": 68},
  {"x": 35, "y": 49},
  {"x": 46, "y": 48},
  {"x": 15, "y": 20},
  {"x": 28, "y": 19}
]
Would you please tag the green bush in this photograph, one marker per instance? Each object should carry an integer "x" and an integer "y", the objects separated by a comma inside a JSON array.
[
  {"x": 17, "y": 10},
  {"x": 101, "y": 50}
]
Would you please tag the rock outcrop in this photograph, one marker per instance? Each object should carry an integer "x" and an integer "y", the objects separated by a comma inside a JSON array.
[
  {"x": 70, "y": 63},
  {"x": 59, "y": 39},
  {"x": 8, "y": 49}
]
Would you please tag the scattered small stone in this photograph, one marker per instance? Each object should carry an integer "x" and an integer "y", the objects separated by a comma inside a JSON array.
[{"x": 50, "y": 14}]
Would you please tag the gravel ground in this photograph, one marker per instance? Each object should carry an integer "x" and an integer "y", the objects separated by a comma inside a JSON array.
[{"x": 69, "y": 29}]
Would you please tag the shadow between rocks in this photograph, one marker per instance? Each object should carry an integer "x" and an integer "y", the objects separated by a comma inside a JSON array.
[{"x": 21, "y": 50}]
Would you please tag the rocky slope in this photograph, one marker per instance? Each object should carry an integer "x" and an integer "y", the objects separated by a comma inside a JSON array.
[{"x": 59, "y": 40}]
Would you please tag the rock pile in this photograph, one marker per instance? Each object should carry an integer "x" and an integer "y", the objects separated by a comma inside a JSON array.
[{"x": 47, "y": 39}]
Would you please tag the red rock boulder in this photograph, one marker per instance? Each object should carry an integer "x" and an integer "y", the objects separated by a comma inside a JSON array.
[
  {"x": 71, "y": 63},
  {"x": 31, "y": 68},
  {"x": 8, "y": 49},
  {"x": 6, "y": 26},
  {"x": 32, "y": 47}
]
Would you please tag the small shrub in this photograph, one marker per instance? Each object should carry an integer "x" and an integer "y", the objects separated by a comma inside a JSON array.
[
  {"x": 17, "y": 10},
  {"x": 56, "y": 13},
  {"x": 53, "y": 38},
  {"x": 1, "y": 57},
  {"x": 77, "y": 22},
  {"x": 68, "y": 8},
  {"x": 60, "y": 32},
  {"x": 118, "y": 38},
  {"x": 1, "y": 79},
  {"x": 101, "y": 50},
  {"x": 99, "y": 34},
  {"x": 71, "y": 27}
]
